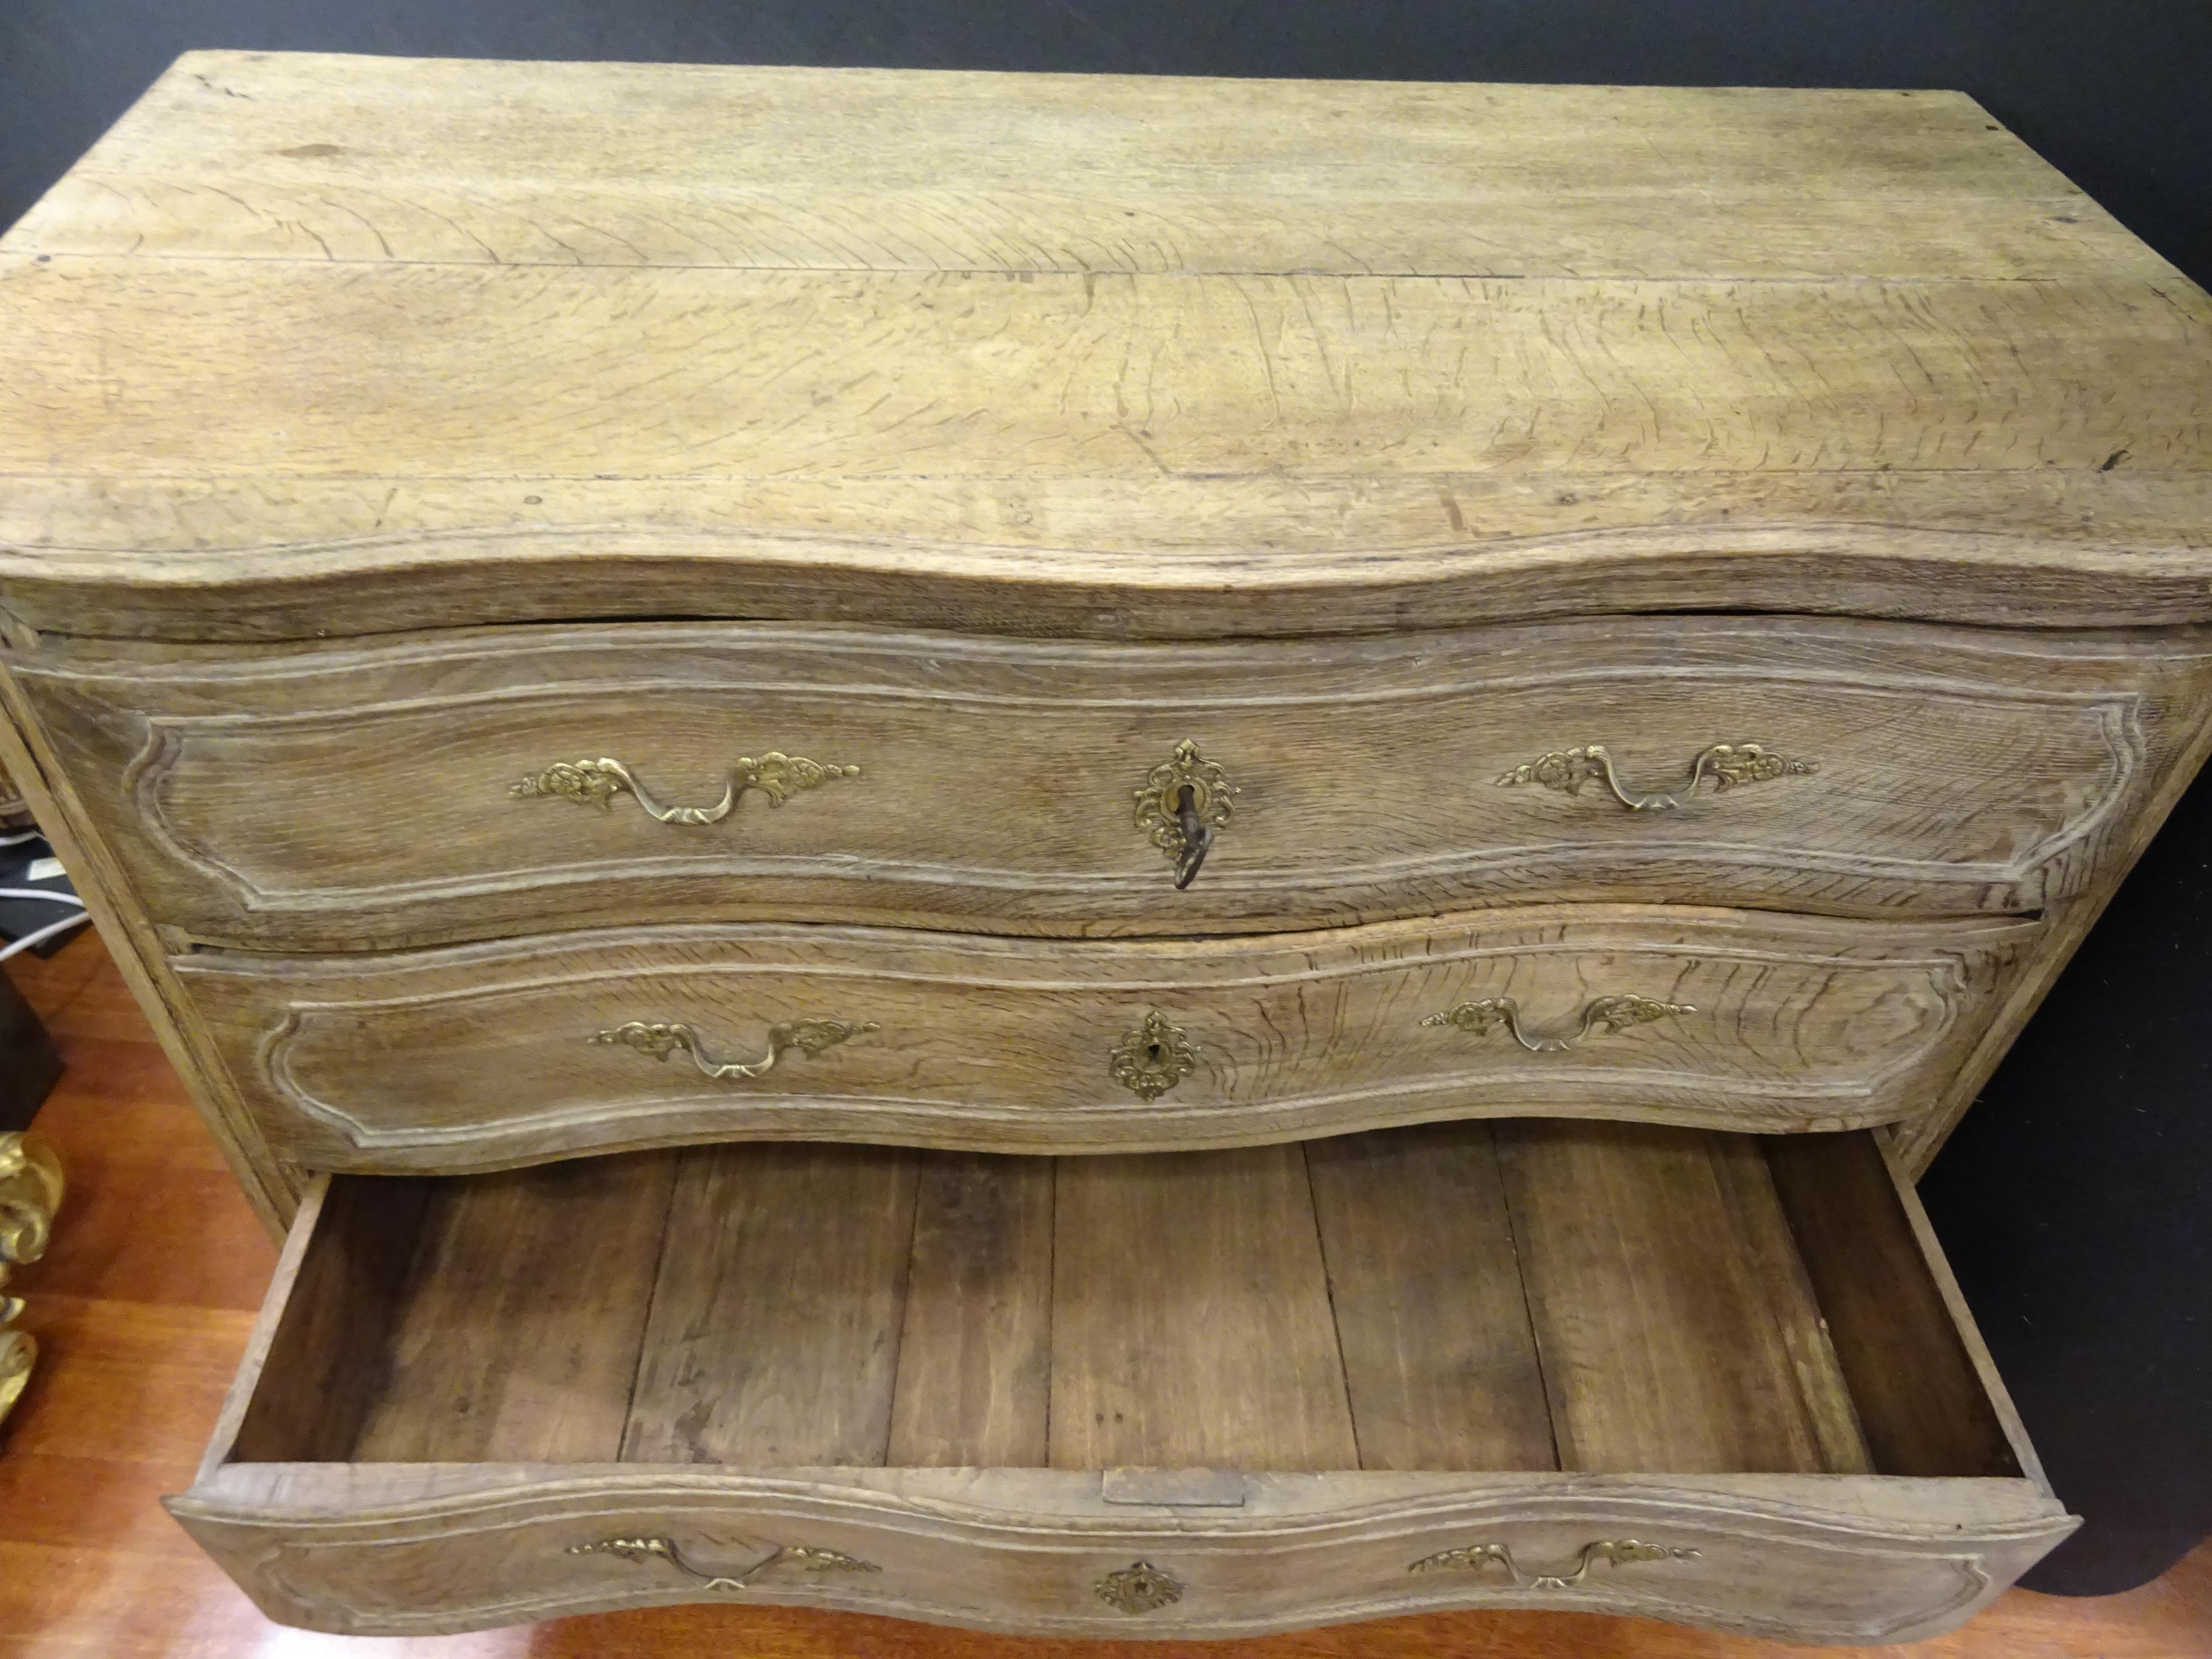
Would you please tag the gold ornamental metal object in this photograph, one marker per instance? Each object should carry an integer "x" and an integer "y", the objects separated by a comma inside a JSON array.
[
  {"x": 1615, "y": 1553},
  {"x": 1140, "y": 1587},
  {"x": 1185, "y": 799},
  {"x": 1728, "y": 765},
  {"x": 639, "y": 1550},
  {"x": 31, "y": 1188},
  {"x": 597, "y": 782},
  {"x": 661, "y": 1039},
  {"x": 1605, "y": 1015},
  {"x": 1152, "y": 1058}
]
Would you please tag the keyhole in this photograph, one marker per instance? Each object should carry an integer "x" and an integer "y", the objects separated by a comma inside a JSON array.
[{"x": 1153, "y": 1051}]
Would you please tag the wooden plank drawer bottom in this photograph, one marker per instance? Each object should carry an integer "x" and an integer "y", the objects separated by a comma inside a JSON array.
[{"x": 1723, "y": 1379}]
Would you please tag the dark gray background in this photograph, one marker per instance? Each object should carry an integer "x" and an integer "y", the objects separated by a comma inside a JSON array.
[{"x": 2073, "y": 1200}]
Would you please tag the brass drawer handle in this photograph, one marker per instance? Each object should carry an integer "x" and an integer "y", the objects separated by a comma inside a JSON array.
[
  {"x": 660, "y": 1040},
  {"x": 1617, "y": 1553},
  {"x": 638, "y": 1551},
  {"x": 1606, "y": 1014},
  {"x": 597, "y": 782},
  {"x": 1727, "y": 764},
  {"x": 1140, "y": 1587},
  {"x": 1185, "y": 800}
]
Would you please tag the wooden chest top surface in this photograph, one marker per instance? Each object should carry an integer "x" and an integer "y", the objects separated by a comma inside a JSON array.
[{"x": 1078, "y": 354}]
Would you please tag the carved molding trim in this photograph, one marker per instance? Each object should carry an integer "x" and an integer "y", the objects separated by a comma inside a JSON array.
[
  {"x": 1945, "y": 977},
  {"x": 288, "y": 1566},
  {"x": 247, "y": 566},
  {"x": 167, "y": 740}
]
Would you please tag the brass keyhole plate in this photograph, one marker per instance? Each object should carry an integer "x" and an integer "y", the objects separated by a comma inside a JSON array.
[{"x": 1153, "y": 1058}]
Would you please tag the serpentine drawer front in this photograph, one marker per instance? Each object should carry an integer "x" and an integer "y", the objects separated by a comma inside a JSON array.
[
  {"x": 1226, "y": 1391},
  {"x": 676, "y": 685},
  {"x": 476, "y": 1056},
  {"x": 453, "y": 787}
]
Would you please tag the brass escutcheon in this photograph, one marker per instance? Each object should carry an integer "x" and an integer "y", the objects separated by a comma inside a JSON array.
[
  {"x": 1140, "y": 1587},
  {"x": 1186, "y": 798},
  {"x": 1153, "y": 1058}
]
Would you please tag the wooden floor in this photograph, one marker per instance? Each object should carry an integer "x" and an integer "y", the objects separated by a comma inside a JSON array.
[{"x": 141, "y": 1307}]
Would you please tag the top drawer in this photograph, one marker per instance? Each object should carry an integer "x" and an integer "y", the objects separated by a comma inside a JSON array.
[{"x": 374, "y": 794}]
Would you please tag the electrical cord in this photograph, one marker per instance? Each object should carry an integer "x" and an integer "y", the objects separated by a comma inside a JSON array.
[{"x": 39, "y": 936}]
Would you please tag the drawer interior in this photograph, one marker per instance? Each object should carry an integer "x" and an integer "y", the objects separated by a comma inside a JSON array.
[{"x": 1519, "y": 1295}]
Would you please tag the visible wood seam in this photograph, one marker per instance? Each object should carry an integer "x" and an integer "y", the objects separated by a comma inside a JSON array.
[
  {"x": 905, "y": 1308},
  {"x": 1527, "y": 1314},
  {"x": 1051, "y": 1297},
  {"x": 909, "y": 1161},
  {"x": 677, "y": 1160},
  {"x": 1328, "y": 1290},
  {"x": 644, "y": 1324},
  {"x": 1508, "y": 1188}
]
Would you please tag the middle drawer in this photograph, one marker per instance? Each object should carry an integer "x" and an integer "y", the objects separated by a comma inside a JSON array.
[{"x": 481, "y": 1056}]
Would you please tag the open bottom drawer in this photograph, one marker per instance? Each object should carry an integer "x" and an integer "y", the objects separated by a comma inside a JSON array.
[{"x": 1720, "y": 1379}]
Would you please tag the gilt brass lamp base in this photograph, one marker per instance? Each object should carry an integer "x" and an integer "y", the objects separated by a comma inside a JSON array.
[{"x": 30, "y": 1192}]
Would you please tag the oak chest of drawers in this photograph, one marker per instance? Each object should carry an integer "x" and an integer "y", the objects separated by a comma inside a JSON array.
[{"x": 1091, "y": 855}]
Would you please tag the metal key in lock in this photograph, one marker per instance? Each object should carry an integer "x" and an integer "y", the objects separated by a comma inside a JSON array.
[
  {"x": 1197, "y": 837},
  {"x": 1185, "y": 800}
]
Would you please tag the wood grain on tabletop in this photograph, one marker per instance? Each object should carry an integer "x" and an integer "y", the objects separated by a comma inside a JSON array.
[
  {"x": 245, "y": 368},
  {"x": 1065, "y": 352},
  {"x": 796, "y": 167},
  {"x": 144, "y": 1301}
]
